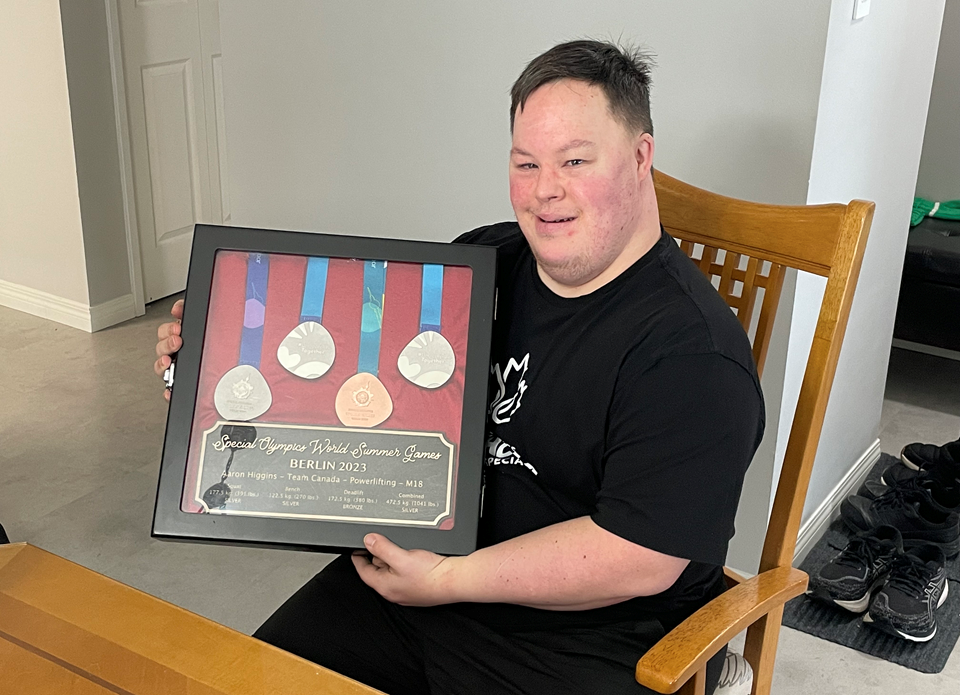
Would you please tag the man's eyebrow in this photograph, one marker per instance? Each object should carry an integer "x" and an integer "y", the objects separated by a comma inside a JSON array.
[{"x": 572, "y": 145}]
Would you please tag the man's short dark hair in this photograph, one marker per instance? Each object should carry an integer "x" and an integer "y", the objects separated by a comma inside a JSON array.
[{"x": 622, "y": 73}]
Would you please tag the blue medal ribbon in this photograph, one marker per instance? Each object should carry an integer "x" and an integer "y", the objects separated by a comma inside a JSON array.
[
  {"x": 431, "y": 297},
  {"x": 254, "y": 310},
  {"x": 374, "y": 282},
  {"x": 314, "y": 290}
]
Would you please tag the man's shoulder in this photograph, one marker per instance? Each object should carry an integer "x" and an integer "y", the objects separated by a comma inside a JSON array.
[
  {"x": 503, "y": 235},
  {"x": 714, "y": 314},
  {"x": 680, "y": 313}
]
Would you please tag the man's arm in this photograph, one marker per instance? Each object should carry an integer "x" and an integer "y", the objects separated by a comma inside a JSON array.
[
  {"x": 573, "y": 565},
  {"x": 683, "y": 499}
]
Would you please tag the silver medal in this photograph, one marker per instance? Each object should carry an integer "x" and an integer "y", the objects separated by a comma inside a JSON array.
[
  {"x": 307, "y": 351},
  {"x": 427, "y": 360},
  {"x": 242, "y": 394}
]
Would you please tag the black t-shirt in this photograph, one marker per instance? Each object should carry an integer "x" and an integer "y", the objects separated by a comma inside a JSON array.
[{"x": 637, "y": 405}]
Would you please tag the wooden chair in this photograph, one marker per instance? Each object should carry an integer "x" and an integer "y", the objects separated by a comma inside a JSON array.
[{"x": 749, "y": 246}]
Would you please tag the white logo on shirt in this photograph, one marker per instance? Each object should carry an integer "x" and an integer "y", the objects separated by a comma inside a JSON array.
[
  {"x": 509, "y": 379},
  {"x": 499, "y": 453}
]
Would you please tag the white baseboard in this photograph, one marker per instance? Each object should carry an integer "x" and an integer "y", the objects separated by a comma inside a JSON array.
[
  {"x": 926, "y": 349},
  {"x": 45, "y": 305},
  {"x": 113, "y": 312},
  {"x": 829, "y": 509},
  {"x": 66, "y": 311}
]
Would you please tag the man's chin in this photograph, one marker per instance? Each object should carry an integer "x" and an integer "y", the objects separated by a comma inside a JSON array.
[{"x": 571, "y": 273}]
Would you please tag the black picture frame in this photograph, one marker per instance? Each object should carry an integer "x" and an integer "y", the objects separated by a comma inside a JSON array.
[{"x": 171, "y": 522}]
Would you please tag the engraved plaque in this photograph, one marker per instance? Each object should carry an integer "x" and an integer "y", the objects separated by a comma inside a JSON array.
[{"x": 331, "y": 474}]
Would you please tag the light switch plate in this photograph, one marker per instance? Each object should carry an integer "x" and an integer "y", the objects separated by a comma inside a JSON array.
[{"x": 861, "y": 8}]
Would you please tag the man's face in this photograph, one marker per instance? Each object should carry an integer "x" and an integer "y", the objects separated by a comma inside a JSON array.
[{"x": 575, "y": 177}]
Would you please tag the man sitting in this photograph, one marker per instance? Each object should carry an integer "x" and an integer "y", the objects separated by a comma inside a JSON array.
[{"x": 626, "y": 410}]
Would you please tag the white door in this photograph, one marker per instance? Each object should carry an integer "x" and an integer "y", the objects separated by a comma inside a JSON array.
[{"x": 171, "y": 55}]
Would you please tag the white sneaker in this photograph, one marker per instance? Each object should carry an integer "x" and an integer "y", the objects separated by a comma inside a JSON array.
[{"x": 736, "y": 678}]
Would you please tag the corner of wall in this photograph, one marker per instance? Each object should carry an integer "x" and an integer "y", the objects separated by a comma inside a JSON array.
[
  {"x": 891, "y": 51},
  {"x": 90, "y": 88}
]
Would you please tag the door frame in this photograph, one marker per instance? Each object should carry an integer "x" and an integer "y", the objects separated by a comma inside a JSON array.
[{"x": 131, "y": 229}]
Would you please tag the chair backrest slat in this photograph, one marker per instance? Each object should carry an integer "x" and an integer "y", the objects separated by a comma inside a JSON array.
[{"x": 772, "y": 285}]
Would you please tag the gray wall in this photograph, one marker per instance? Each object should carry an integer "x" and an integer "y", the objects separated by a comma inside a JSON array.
[
  {"x": 939, "y": 177},
  {"x": 877, "y": 77},
  {"x": 391, "y": 118},
  {"x": 86, "y": 49}
]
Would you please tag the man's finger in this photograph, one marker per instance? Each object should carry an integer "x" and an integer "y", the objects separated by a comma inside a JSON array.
[
  {"x": 160, "y": 366},
  {"x": 364, "y": 566},
  {"x": 169, "y": 346},
  {"x": 177, "y": 309},
  {"x": 381, "y": 547},
  {"x": 167, "y": 329}
]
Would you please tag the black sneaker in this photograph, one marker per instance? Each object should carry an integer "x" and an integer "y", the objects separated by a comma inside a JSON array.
[
  {"x": 849, "y": 578},
  {"x": 923, "y": 510},
  {"x": 898, "y": 474},
  {"x": 943, "y": 469},
  {"x": 918, "y": 456},
  {"x": 906, "y": 605}
]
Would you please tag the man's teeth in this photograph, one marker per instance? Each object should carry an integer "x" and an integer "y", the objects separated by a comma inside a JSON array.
[{"x": 565, "y": 219}]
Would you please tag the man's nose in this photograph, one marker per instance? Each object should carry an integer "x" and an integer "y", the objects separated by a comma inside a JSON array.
[{"x": 549, "y": 186}]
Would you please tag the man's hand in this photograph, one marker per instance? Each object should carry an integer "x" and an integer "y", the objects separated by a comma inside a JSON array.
[
  {"x": 169, "y": 342},
  {"x": 407, "y": 577}
]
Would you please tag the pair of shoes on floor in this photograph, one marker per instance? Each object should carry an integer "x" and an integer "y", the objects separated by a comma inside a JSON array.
[
  {"x": 912, "y": 584},
  {"x": 923, "y": 504}
]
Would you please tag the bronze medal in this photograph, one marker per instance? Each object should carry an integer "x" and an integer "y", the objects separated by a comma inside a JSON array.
[{"x": 363, "y": 400}]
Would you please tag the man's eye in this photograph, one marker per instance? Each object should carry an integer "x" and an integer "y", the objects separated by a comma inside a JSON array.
[
  {"x": 575, "y": 162},
  {"x": 526, "y": 166}
]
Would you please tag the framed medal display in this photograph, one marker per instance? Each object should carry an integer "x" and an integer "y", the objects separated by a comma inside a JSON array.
[{"x": 328, "y": 386}]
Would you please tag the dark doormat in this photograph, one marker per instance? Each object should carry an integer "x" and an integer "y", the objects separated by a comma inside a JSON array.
[{"x": 842, "y": 627}]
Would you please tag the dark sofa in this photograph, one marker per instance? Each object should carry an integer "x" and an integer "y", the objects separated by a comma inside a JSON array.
[{"x": 929, "y": 308}]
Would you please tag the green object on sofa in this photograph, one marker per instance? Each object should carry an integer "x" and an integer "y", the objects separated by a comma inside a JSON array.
[{"x": 947, "y": 210}]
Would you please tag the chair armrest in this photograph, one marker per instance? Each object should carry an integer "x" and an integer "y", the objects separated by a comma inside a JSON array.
[
  {"x": 681, "y": 653},
  {"x": 732, "y": 578}
]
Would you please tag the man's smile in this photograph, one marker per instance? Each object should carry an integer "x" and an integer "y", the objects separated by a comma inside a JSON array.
[
  {"x": 553, "y": 219},
  {"x": 553, "y": 224}
]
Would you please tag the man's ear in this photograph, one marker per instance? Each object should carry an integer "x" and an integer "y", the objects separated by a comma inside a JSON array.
[{"x": 643, "y": 150}]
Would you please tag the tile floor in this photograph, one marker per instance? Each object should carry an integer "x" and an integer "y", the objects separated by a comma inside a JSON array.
[{"x": 81, "y": 430}]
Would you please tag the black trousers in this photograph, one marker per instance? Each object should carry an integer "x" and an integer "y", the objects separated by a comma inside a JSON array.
[{"x": 337, "y": 621}]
